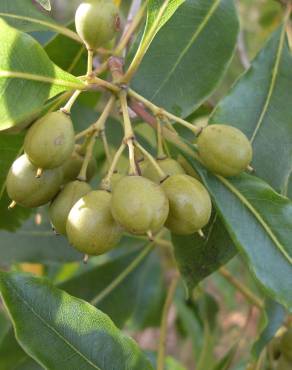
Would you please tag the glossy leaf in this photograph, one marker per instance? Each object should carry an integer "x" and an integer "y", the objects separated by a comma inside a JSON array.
[
  {"x": 183, "y": 65},
  {"x": 137, "y": 290},
  {"x": 199, "y": 257},
  {"x": 46, "y": 4},
  {"x": 10, "y": 147},
  {"x": 259, "y": 222},
  {"x": 274, "y": 317},
  {"x": 27, "y": 76},
  {"x": 59, "y": 330},
  {"x": 24, "y": 15},
  {"x": 68, "y": 54},
  {"x": 257, "y": 104},
  {"x": 158, "y": 13},
  {"x": 35, "y": 243}
]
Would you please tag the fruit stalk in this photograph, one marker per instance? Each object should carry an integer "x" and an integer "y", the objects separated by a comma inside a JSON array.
[
  {"x": 152, "y": 160},
  {"x": 106, "y": 183},
  {"x": 129, "y": 135}
]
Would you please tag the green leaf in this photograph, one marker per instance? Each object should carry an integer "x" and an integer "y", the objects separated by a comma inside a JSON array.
[
  {"x": 27, "y": 76},
  {"x": 274, "y": 317},
  {"x": 137, "y": 290},
  {"x": 46, "y": 4},
  {"x": 158, "y": 13},
  {"x": 10, "y": 148},
  {"x": 259, "y": 222},
  {"x": 68, "y": 54},
  {"x": 61, "y": 331},
  {"x": 199, "y": 257},
  {"x": 189, "y": 57},
  {"x": 36, "y": 244},
  {"x": 257, "y": 104},
  {"x": 22, "y": 14}
]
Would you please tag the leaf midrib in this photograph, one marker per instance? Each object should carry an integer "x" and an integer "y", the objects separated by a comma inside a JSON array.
[
  {"x": 40, "y": 78},
  {"x": 257, "y": 216},
  {"x": 71, "y": 346},
  {"x": 275, "y": 73},
  {"x": 60, "y": 29},
  {"x": 209, "y": 14}
]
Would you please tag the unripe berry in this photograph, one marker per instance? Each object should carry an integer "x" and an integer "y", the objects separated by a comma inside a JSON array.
[
  {"x": 97, "y": 22},
  {"x": 168, "y": 165},
  {"x": 90, "y": 227},
  {"x": 26, "y": 190},
  {"x": 72, "y": 166},
  {"x": 50, "y": 140},
  {"x": 139, "y": 205},
  {"x": 65, "y": 200},
  {"x": 224, "y": 150},
  {"x": 189, "y": 204}
]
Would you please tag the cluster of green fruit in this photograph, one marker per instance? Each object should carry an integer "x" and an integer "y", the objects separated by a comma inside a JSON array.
[
  {"x": 94, "y": 221},
  {"x": 54, "y": 169}
]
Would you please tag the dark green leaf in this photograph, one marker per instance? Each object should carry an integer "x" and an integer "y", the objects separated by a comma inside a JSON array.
[
  {"x": 199, "y": 257},
  {"x": 68, "y": 54},
  {"x": 184, "y": 64},
  {"x": 226, "y": 361},
  {"x": 10, "y": 147},
  {"x": 259, "y": 222},
  {"x": 22, "y": 14},
  {"x": 35, "y": 243},
  {"x": 274, "y": 316},
  {"x": 257, "y": 104},
  {"x": 139, "y": 290},
  {"x": 27, "y": 76},
  {"x": 61, "y": 331},
  {"x": 158, "y": 13},
  {"x": 170, "y": 363}
]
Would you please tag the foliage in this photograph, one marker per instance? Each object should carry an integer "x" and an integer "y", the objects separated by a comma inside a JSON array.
[{"x": 179, "y": 65}]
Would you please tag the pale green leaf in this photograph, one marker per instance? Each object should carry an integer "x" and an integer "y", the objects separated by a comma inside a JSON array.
[
  {"x": 24, "y": 15},
  {"x": 27, "y": 76}
]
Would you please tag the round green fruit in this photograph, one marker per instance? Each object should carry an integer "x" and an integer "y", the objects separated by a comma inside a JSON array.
[
  {"x": 286, "y": 344},
  {"x": 90, "y": 226},
  {"x": 72, "y": 166},
  {"x": 116, "y": 177},
  {"x": 50, "y": 140},
  {"x": 28, "y": 191},
  {"x": 139, "y": 205},
  {"x": 189, "y": 204},
  {"x": 224, "y": 150},
  {"x": 65, "y": 200},
  {"x": 168, "y": 165},
  {"x": 97, "y": 22}
]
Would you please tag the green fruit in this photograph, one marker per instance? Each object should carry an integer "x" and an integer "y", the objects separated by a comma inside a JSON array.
[
  {"x": 286, "y": 344},
  {"x": 189, "y": 204},
  {"x": 224, "y": 150},
  {"x": 50, "y": 140},
  {"x": 97, "y": 22},
  {"x": 139, "y": 205},
  {"x": 90, "y": 226},
  {"x": 168, "y": 165},
  {"x": 26, "y": 190},
  {"x": 72, "y": 166},
  {"x": 189, "y": 170},
  {"x": 65, "y": 200},
  {"x": 116, "y": 177}
]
